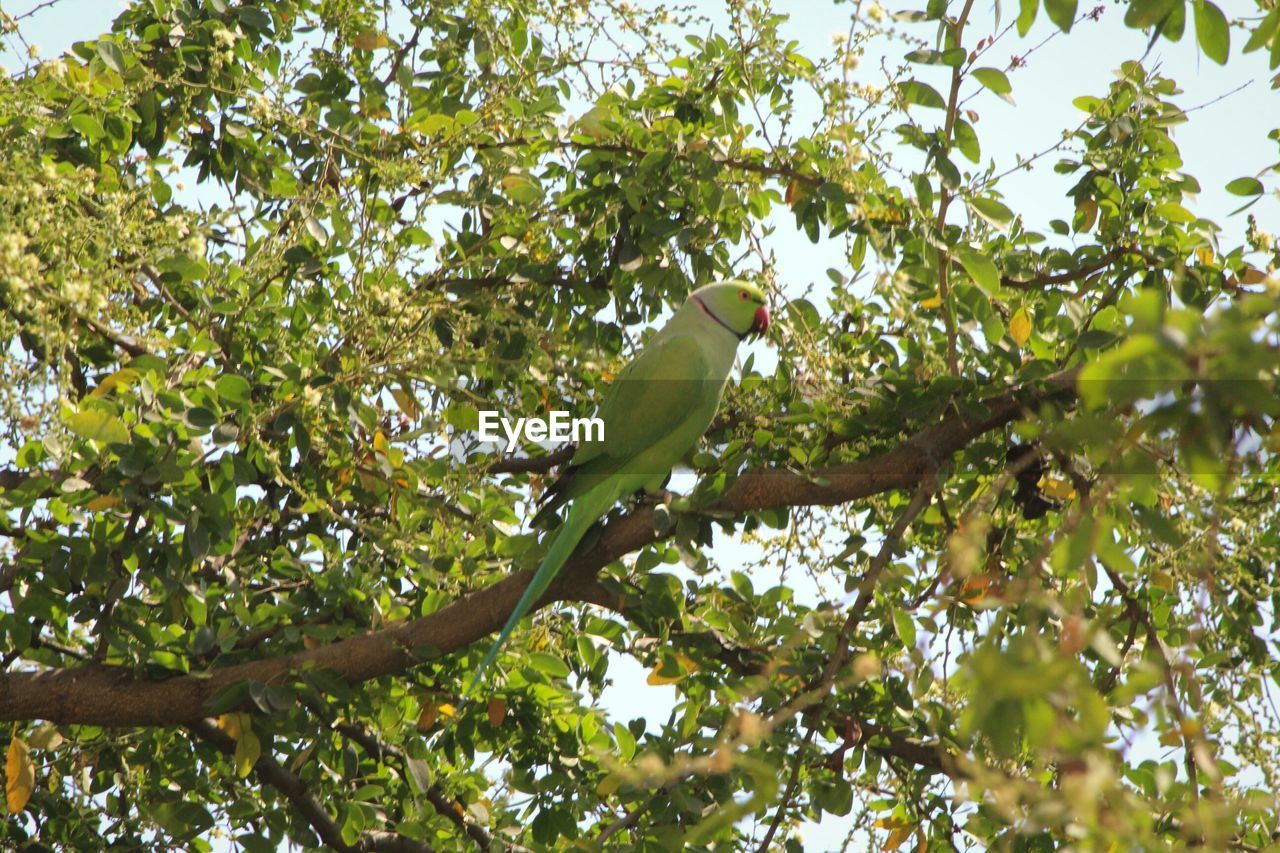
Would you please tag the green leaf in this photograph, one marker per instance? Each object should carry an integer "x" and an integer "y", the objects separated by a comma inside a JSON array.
[
  {"x": 97, "y": 425},
  {"x": 947, "y": 171},
  {"x": 967, "y": 141},
  {"x": 1148, "y": 13},
  {"x": 905, "y": 627},
  {"x": 549, "y": 665},
  {"x": 981, "y": 269},
  {"x": 1174, "y": 212},
  {"x": 991, "y": 210},
  {"x": 233, "y": 388},
  {"x": 1245, "y": 186},
  {"x": 1026, "y": 15},
  {"x": 1140, "y": 368},
  {"x": 626, "y": 741},
  {"x": 87, "y": 126},
  {"x": 111, "y": 56},
  {"x": 522, "y": 189},
  {"x": 835, "y": 796},
  {"x": 995, "y": 80},
  {"x": 953, "y": 57},
  {"x": 1062, "y": 13},
  {"x": 922, "y": 94},
  {"x": 1264, "y": 31},
  {"x": 1211, "y": 31}
]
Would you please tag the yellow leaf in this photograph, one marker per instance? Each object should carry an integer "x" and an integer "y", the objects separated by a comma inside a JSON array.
[
  {"x": 608, "y": 785},
  {"x": 405, "y": 400},
  {"x": 795, "y": 192},
  {"x": 447, "y": 711},
  {"x": 686, "y": 666},
  {"x": 102, "y": 502},
  {"x": 19, "y": 774},
  {"x": 428, "y": 717},
  {"x": 97, "y": 425},
  {"x": 1204, "y": 255},
  {"x": 898, "y": 836},
  {"x": 931, "y": 302},
  {"x": 370, "y": 39},
  {"x": 248, "y": 750},
  {"x": 1171, "y": 737},
  {"x": 656, "y": 678},
  {"x": 1088, "y": 212},
  {"x": 380, "y": 442},
  {"x": 46, "y": 737},
  {"x": 230, "y": 724},
  {"x": 122, "y": 378},
  {"x": 1020, "y": 327},
  {"x": 497, "y": 710},
  {"x": 978, "y": 587},
  {"x": 1056, "y": 488}
]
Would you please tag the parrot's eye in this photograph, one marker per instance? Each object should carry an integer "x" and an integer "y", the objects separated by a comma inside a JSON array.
[{"x": 742, "y": 294}]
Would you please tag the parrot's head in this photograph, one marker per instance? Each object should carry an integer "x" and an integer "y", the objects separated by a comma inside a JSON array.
[{"x": 736, "y": 305}]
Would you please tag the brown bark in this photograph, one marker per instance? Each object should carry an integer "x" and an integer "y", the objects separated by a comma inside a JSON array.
[{"x": 116, "y": 696}]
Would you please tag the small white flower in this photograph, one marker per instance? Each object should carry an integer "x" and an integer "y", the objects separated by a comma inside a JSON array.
[
  {"x": 224, "y": 37},
  {"x": 77, "y": 290}
]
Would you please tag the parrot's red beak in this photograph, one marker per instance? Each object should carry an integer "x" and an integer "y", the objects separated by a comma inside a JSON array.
[{"x": 760, "y": 324}]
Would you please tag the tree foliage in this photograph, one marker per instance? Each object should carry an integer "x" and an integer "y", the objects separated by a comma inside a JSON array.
[{"x": 262, "y": 263}]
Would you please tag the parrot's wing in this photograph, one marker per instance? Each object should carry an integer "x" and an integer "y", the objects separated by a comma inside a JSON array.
[
  {"x": 652, "y": 397},
  {"x": 655, "y": 395}
]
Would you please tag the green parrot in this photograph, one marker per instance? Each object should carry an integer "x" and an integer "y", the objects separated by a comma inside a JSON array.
[{"x": 658, "y": 407}]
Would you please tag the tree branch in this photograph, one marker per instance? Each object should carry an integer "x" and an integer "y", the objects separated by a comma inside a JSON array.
[
  {"x": 944, "y": 200},
  {"x": 107, "y": 695},
  {"x": 295, "y": 790},
  {"x": 380, "y": 750}
]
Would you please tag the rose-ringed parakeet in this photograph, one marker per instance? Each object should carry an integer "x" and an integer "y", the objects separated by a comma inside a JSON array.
[{"x": 655, "y": 411}]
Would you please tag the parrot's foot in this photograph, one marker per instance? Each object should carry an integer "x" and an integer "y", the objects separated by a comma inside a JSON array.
[{"x": 655, "y": 498}]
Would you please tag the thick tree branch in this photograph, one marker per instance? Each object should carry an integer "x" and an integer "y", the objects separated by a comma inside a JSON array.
[{"x": 116, "y": 696}]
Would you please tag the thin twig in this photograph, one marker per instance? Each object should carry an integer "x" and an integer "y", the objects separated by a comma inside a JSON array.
[
  {"x": 944, "y": 203},
  {"x": 380, "y": 750},
  {"x": 788, "y": 793},
  {"x": 295, "y": 790}
]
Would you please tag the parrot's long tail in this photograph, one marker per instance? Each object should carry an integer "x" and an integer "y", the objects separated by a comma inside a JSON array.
[{"x": 584, "y": 512}]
